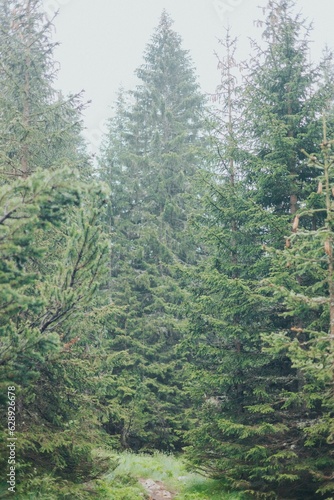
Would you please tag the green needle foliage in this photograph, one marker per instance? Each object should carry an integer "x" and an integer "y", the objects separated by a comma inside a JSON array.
[
  {"x": 189, "y": 300},
  {"x": 53, "y": 260},
  {"x": 39, "y": 127},
  {"x": 284, "y": 94},
  {"x": 246, "y": 427},
  {"x": 302, "y": 282},
  {"x": 149, "y": 160},
  {"x": 230, "y": 378}
]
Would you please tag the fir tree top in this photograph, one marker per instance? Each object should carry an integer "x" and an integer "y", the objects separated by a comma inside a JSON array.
[{"x": 166, "y": 63}]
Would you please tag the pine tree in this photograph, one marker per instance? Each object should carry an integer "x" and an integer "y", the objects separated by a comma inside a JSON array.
[
  {"x": 283, "y": 98},
  {"x": 52, "y": 261},
  {"x": 149, "y": 161},
  {"x": 38, "y": 126},
  {"x": 228, "y": 372},
  {"x": 288, "y": 96},
  {"x": 248, "y": 440},
  {"x": 41, "y": 315},
  {"x": 302, "y": 282}
]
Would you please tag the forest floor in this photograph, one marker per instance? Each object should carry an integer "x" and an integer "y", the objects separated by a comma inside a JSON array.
[
  {"x": 161, "y": 477},
  {"x": 143, "y": 477}
]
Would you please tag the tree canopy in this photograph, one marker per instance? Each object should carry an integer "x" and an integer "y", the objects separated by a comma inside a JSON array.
[{"x": 176, "y": 295}]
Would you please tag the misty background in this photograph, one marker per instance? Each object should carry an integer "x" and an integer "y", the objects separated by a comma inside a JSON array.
[{"x": 101, "y": 42}]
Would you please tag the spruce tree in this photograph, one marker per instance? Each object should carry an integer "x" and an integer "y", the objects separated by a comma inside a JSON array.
[
  {"x": 284, "y": 95},
  {"x": 149, "y": 160},
  {"x": 52, "y": 262},
  {"x": 230, "y": 378},
  {"x": 248, "y": 441},
  {"x": 38, "y": 125},
  {"x": 301, "y": 282},
  {"x": 42, "y": 310}
]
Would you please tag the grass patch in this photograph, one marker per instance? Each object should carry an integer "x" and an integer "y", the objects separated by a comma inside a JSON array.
[
  {"x": 168, "y": 469},
  {"x": 205, "y": 489},
  {"x": 122, "y": 483},
  {"x": 121, "y": 487}
]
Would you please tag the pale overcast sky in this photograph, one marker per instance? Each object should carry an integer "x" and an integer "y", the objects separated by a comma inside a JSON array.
[{"x": 102, "y": 41}]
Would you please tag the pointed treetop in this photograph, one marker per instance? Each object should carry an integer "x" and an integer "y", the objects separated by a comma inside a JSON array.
[
  {"x": 166, "y": 64},
  {"x": 165, "y": 20},
  {"x": 164, "y": 31},
  {"x": 281, "y": 18}
]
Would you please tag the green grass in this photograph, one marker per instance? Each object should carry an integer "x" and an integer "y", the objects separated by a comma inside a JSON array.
[
  {"x": 122, "y": 483},
  {"x": 168, "y": 469}
]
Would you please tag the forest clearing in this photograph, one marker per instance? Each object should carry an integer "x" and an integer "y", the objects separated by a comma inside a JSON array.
[{"x": 162, "y": 477}]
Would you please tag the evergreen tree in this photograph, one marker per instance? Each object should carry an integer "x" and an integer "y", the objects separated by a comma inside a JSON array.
[
  {"x": 248, "y": 440},
  {"x": 283, "y": 98},
  {"x": 302, "y": 283},
  {"x": 149, "y": 160},
  {"x": 52, "y": 262},
  {"x": 38, "y": 126},
  {"x": 230, "y": 378},
  {"x": 41, "y": 313}
]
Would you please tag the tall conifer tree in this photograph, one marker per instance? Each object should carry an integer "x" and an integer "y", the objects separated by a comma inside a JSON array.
[
  {"x": 228, "y": 372},
  {"x": 250, "y": 439},
  {"x": 38, "y": 126},
  {"x": 52, "y": 259},
  {"x": 149, "y": 161},
  {"x": 301, "y": 283}
]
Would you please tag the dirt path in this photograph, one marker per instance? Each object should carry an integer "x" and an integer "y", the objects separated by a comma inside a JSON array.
[{"x": 156, "y": 490}]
